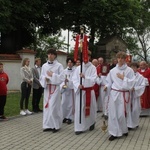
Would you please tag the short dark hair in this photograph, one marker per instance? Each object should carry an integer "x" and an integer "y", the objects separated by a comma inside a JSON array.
[
  {"x": 71, "y": 59},
  {"x": 52, "y": 51},
  {"x": 134, "y": 64},
  {"x": 1, "y": 63}
]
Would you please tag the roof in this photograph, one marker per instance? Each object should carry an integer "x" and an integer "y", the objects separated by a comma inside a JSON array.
[
  {"x": 109, "y": 39},
  {"x": 10, "y": 57},
  {"x": 26, "y": 51},
  {"x": 59, "y": 52}
]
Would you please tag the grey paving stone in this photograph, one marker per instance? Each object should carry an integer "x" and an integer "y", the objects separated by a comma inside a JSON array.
[{"x": 25, "y": 133}]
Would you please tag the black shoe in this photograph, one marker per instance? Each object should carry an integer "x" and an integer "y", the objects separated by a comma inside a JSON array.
[
  {"x": 98, "y": 111},
  {"x": 130, "y": 128},
  {"x": 64, "y": 120},
  {"x": 92, "y": 127},
  {"x": 3, "y": 118},
  {"x": 112, "y": 138},
  {"x": 69, "y": 121},
  {"x": 47, "y": 129},
  {"x": 35, "y": 111},
  {"x": 125, "y": 134},
  {"x": 78, "y": 132},
  {"x": 55, "y": 130},
  {"x": 40, "y": 110}
]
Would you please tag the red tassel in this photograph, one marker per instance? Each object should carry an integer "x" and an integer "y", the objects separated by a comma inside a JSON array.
[
  {"x": 76, "y": 48},
  {"x": 46, "y": 106}
]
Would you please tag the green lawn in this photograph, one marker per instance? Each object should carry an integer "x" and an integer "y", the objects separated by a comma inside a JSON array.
[{"x": 12, "y": 107}]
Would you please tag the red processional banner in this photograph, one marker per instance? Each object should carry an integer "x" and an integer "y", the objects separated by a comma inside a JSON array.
[{"x": 84, "y": 48}]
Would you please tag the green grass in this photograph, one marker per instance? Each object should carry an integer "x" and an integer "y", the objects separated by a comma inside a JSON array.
[{"x": 12, "y": 107}]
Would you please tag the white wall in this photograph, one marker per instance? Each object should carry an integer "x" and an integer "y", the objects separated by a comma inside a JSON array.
[
  {"x": 12, "y": 68},
  {"x": 62, "y": 60}
]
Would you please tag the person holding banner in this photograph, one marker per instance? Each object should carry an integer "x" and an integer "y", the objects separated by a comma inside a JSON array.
[
  {"x": 50, "y": 80},
  {"x": 89, "y": 107}
]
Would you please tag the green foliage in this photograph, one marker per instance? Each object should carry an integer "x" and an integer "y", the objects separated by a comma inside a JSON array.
[
  {"x": 43, "y": 43},
  {"x": 101, "y": 17},
  {"x": 12, "y": 107}
]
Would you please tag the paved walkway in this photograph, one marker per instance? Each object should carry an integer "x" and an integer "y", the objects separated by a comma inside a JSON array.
[{"x": 25, "y": 133}]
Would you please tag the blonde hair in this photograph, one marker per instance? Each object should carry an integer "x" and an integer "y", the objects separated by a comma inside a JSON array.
[{"x": 24, "y": 61}]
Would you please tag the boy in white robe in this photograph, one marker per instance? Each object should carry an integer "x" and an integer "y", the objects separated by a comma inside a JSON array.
[
  {"x": 67, "y": 90},
  {"x": 136, "y": 92},
  {"x": 120, "y": 80},
  {"x": 50, "y": 80},
  {"x": 88, "y": 111}
]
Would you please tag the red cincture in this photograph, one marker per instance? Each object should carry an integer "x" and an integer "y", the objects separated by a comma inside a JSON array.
[{"x": 50, "y": 92}]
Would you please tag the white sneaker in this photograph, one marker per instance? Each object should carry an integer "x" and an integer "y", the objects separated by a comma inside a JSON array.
[
  {"x": 28, "y": 112},
  {"x": 22, "y": 113}
]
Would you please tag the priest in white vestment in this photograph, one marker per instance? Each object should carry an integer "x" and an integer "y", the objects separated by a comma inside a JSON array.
[
  {"x": 50, "y": 80},
  {"x": 120, "y": 80},
  {"x": 89, "y": 107},
  {"x": 136, "y": 92}
]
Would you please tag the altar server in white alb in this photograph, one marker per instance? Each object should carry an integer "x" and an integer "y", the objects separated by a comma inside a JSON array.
[
  {"x": 50, "y": 80},
  {"x": 136, "y": 92},
  {"x": 68, "y": 92},
  {"x": 89, "y": 107},
  {"x": 120, "y": 80}
]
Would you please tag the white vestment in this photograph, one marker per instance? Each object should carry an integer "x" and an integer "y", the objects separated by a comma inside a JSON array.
[
  {"x": 67, "y": 102},
  {"x": 139, "y": 87},
  {"x": 89, "y": 71},
  {"x": 102, "y": 101},
  {"x": 118, "y": 105},
  {"x": 52, "y": 115}
]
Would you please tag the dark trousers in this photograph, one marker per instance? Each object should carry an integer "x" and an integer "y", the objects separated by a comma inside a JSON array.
[
  {"x": 2, "y": 104},
  {"x": 25, "y": 94},
  {"x": 37, "y": 94}
]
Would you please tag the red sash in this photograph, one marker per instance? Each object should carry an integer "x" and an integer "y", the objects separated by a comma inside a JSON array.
[
  {"x": 125, "y": 101},
  {"x": 88, "y": 99}
]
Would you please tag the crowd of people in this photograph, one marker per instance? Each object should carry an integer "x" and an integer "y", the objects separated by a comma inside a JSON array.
[{"x": 121, "y": 91}]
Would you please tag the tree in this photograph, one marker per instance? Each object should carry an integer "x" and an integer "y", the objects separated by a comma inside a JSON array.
[
  {"x": 101, "y": 17},
  {"x": 45, "y": 42},
  {"x": 139, "y": 35},
  {"x": 19, "y": 18}
]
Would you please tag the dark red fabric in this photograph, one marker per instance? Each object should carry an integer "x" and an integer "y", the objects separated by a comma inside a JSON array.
[
  {"x": 3, "y": 83},
  {"x": 76, "y": 48},
  {"x": 88, "y": 100},
  {"x": 145, "y": 98},
  {"x": 85, "y": 49},
  {"x": 99, "y": 69}
]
